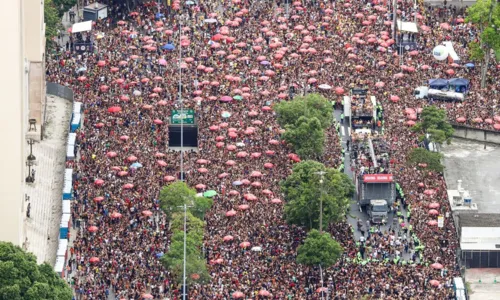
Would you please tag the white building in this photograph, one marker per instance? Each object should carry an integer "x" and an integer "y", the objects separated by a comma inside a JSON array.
[{"x": 22, "y": 83}]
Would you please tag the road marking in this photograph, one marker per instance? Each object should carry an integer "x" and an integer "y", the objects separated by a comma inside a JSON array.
[
  {"x": 349, "y": 130},
  {"x": 342, "y": 131}
]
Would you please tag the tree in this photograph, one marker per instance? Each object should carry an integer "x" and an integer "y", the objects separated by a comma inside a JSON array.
[
  {"x": 200, "y": 206},
  {"x": 51, "y": 19},
  {"x": 174, "y": 196},
  {"x": 306, "y": 136},
  {"x": 309, "y": 106},
  {"x": 486, "y": 15},
  {"x": 319, "y": 249},
  {"x": 303, "y": 193},
  {"x": 193, "y": 224},
  {"x": 63, "y": 6},
  {"x": 194, "y": 265},
  {"x": 435, "y": 123},
  {"x": 423, "y": 156},
  {"x": 22, "y": 279}
]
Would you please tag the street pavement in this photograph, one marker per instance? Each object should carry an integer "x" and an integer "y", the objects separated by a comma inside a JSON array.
[
  {"x": 45, "y": 194},
  {"x": 354, "y": 210}
]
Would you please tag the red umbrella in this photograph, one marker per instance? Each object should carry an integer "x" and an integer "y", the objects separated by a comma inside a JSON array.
[
  {"x": 255, "y": 154},
  {"x": 244, "y": 244},
  {"x": 276, "y": 201},
  {"x": 116, "y": 215},
  {"x": 432, "y": 223},
  {"x": 203, "y": 170},
  {"x": 101, "y": 63},
  {"x": 158, "y": 122},
  {"x": 250, "y": 197},
  {"x": 434, "y": 282},
  {"x": 98, "y": 199},
  {"x": 433, "y": 212},
  {"x": 267, "y": 192},
  {"x": 429, "y": 192},
  {"x": 231, "y": 213},
  {"x": 410, "y": 123},
  {"x": 228, "y": 238},
  {"x": 242, "y": 154},
  {"x": 128, "y": 186},
  {"x": 202, "y": 161},
  {"x": 147, "y": 296},
  {"x": 94, "y": 260},
  {"x": 169, "y": 178},
  {"x": 256, "y": 174},
  {"x": 237, "y": 295},
  {"x": 243, "y": 207},
  {"x": 321, "y": 289},
  {"x": 99, "y": 182},
  {"x": 339, "y": 91},
  {"x": 231, "y": 147},
  {"x": 230, "y": 163},
  {"x": 93, "y": 229},
  {"x": 114, "y": 109},
  {"x": 496, "y": 126},
  {"x": 147, "y": 213},
  {"x": 111, "y": 154},
  {"x": 256, "y": 184},
  {"x": 434, "y": 205},
  {"x": 264, "y": 293},
  {"x": 234, "y": 193},
  {"x": 131, "y": 158},
  {"x": 124, "y": 137},
  {"x": 461, "y": 119},
  {"x": 437, "y": 266},
  {"x": 161, "y": 163},
  {"x": 268, "y": 165},
  {"x": 122, "y": 173}
]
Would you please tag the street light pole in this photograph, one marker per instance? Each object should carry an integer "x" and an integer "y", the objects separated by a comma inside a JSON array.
[
  {"x": 322, "y": 283},
  {"x": 184, "y": 266},
  {"x": 321, "y": 173},
  {"x": 180, "y": 100}
]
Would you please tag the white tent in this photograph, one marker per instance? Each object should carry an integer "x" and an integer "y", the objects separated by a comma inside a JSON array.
[
  {"x": 407, "y": 26},
  {"x": 81, "y": 27}
]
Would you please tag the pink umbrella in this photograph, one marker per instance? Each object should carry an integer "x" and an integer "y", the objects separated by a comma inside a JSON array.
[
  {"x": 228, "y": 238},
  {"x": 268, "y": 165},
  {"x": 434, "y": 282},
  {"x": 122, "y": 173},
  {"x": 230, "y": 163},
  {"x": 237, "y": 295},
  {"x": 434, "y": 205},
  {"x": 244, "y": 245},
  {"x": 93, "y": 229},
  {"x": 169, "y": 178},
  {"x": 230, "y": 213},
  {"x": 200, "y": 186},
  {"x": 234, "y": 193},
  {"x": 231, "y": 147},
  {"x": 203, "y": 170},
  {"x": 94, "y": 260},
  {"x": 147, "y": 213},
  {"x": 243, "y": 207},
  {"x": 128, "y": 186},
  {"x": 223, "y": 175},
  {"x": 433, "y": 212},
  {"x": 274, "y": 142},
  {"x": 98, "y": 199},
  {"x": 461, "y": 120},
  {"x": 99, "y": 182},
  {"x": 161, "y": 163},
  {"x": 432, "y": 223},
  {"x": 437, "y": 266},
  {"x": 116, "y": 215},
  {"x": 242, "y": 154},
  {"x": 264, "y": 293},
  {"x": 255, "y": 154},
  {"x": 276, "y": 201}
]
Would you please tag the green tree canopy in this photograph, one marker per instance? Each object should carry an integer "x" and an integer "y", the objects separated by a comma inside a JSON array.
[
  {"x": 423, "y": 156},
  {"x": 435, "y": 123},
  {"x": 200, "y": 206},
  {"x": 485, "y": 14},
  {"x": 306, "y": 136},
  {"x": 194, "y": 225},
  {"x": 309, "y": 106},
  {"x": 63, "y": 6},
  {"x": 319, "y": 249},
  {"x": 195, "y": 266},
  {"x": 51, "y": 19},
  {"x": 22, "y": 279},
  {"x": 303, "y": 192},
  {"x": 175, "y": 195}
]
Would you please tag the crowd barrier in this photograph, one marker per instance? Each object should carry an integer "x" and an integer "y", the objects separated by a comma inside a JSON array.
[{"x": 68, "y": 185}]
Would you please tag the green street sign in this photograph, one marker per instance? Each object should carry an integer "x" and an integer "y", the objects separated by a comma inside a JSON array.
[{"x": 187, "y": 116}]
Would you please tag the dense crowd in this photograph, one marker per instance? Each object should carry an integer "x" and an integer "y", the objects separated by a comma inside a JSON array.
[{"x": 264, "y": 53}]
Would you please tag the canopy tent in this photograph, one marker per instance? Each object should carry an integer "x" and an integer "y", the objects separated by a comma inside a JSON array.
[
  {"x": 459, "y": 85},
  {"x": 438, "y": 83},
  {"x": 81, "y": 27},
  {"x": 407, "y": 26}
]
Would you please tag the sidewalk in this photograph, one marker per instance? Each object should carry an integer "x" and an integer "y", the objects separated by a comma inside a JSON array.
[{"x": 45, "y": 194}]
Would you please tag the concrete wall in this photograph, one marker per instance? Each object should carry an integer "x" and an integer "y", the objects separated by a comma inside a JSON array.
[
  {"x": 59, "y": 91},
  {"x": 475, "y": 134},
  {"x": 36, "y": 91},
  {"x": 12, "y": 125},
  {"x": 34, "y": 30}
]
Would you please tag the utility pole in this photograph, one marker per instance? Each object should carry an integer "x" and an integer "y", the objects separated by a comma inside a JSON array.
[
  {"x": 394, "y": 23},
  {"x": 322, "y": 283},
  {"x": 180, "y": 100},
  {"x": 184, "y": 289},
  {"x": 321, "y": 173}
]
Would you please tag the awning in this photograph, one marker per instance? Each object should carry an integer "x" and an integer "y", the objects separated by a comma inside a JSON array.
[
  {"x": 480, "y": 238},
  {"x": 407, "y": 26},
  {"x": 82, "y": 27}
]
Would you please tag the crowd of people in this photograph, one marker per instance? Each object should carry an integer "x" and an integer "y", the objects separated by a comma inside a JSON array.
[{"x": 263, "y": 52}]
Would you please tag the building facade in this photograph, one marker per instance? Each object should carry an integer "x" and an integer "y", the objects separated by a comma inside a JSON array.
[{"x": 22, "y": 82}]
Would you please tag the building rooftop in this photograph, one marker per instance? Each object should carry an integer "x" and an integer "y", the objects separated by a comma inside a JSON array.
[{"x": 479, "y": 220}]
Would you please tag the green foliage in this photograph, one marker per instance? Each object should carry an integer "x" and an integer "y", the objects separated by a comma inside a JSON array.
[
  {"x": 432, "y": 159},
  {"x": 476, "y": 53},
  {"x": 306, "y": 136},
  {"x": 200, "y": 206},
  {"x": 435, "y": 123},
  {"x": 22, "y": 279},
  {"x": 194, "y": 265},
  {"x": 194, "y": 225},
  {"x": 52, "y": 19},
  {"x": 309, "y": 106},
  {"x": 63, "y": 6},
  {"x": 303, "y": 192},
  {"x": 175, "y": 195},
  {"x": 319, "y": 249}
]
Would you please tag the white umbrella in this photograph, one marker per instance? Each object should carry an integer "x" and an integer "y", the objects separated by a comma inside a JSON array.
[
  {"x": 137, "y": 93},
  {"x": 210, "y": 21},
  {"x": 240, "y": 144},
  {"x": 325, "y": 87},
  {"x": 257, "y": 248}
]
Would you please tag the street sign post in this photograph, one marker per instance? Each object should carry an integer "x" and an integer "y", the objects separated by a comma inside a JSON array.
[
  {"x": 186, "y": 115},
  {"x": 440, "y": 221}
]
